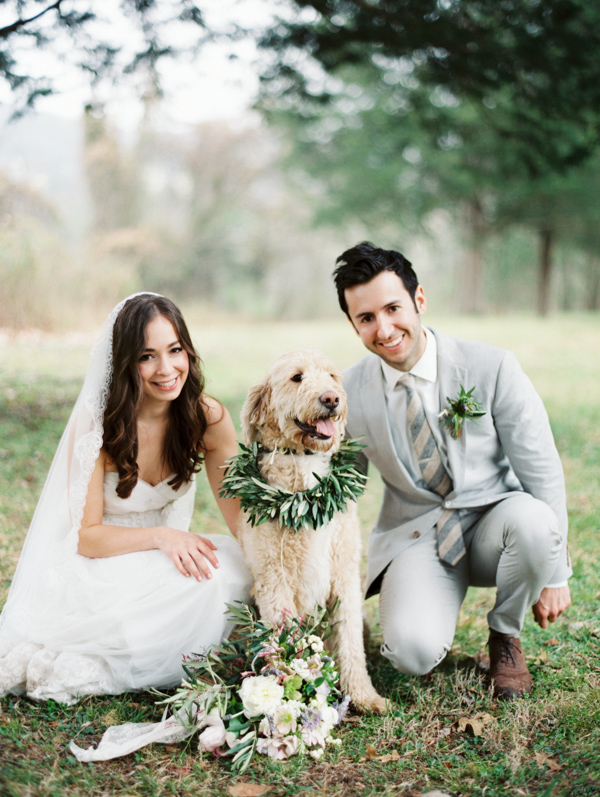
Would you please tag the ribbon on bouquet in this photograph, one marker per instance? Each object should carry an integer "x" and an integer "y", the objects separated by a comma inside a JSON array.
[{"x": 121, "y": 740}]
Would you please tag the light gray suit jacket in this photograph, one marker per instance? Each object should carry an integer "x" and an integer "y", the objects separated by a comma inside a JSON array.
[{"x": 510, "y": 448}]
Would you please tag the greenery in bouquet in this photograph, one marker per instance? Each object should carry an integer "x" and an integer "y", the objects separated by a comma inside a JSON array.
[{"x": 267, "y": 690}]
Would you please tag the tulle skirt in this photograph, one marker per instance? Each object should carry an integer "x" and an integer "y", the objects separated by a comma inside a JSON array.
[{"x": 118, "y": 624}]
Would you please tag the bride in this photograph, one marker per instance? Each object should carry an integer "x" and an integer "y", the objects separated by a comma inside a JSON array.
[{"x": 111, "y": 588}]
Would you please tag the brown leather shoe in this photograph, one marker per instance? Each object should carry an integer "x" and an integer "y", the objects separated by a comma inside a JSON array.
[{"x": 508, "y": 670}]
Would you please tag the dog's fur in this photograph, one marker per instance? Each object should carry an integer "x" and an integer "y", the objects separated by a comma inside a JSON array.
[{"x": 297, "y": 413}]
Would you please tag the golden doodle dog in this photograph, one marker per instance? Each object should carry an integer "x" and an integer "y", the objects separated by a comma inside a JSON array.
[{"x": 297, "y": 415}]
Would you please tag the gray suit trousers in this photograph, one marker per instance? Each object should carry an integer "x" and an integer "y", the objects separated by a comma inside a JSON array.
[{"x": 515, "y": 547}]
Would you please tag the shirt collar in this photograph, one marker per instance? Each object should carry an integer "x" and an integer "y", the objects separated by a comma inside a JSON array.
[{"x": 424, "y": 368}]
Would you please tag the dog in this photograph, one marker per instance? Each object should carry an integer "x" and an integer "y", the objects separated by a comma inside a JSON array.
[{"x": 297, "y": 415}]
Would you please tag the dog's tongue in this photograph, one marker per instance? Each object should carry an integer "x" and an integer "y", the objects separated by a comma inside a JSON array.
[{"x": 325, "y": 426}]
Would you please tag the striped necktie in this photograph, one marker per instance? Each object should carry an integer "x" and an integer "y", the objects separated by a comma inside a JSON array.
[{"x": 450, "y": 543}]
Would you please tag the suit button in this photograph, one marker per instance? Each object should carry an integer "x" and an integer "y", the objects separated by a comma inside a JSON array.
[{"x": 416, "y": 535}]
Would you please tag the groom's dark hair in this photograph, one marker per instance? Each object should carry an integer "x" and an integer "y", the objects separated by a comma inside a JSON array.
[{"x": 363, "y": 262}]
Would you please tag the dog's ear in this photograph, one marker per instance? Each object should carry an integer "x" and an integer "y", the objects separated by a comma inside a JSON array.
[{"x": 254, "y": 411}]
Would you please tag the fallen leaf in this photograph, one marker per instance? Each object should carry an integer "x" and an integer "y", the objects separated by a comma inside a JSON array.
[
  {"x": 248, "y": 789},
  {"x": 482, "y": 660},
  {"x": 393, "y": 756},
  {"x": 475, "y": 724},
  {"x": 543, "y": 657},
  {"x": 552, "y": 642},
  {"x": 551, "y": 763},
  {"x": 111, "y": 719},
  {"x": 372, "y": 755}
]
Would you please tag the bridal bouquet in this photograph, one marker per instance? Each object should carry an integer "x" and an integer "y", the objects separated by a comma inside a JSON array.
[{"x": 267, "y": 690}]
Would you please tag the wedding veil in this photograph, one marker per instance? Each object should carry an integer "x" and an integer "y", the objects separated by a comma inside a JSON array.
[{"x": 46, "y": 564}]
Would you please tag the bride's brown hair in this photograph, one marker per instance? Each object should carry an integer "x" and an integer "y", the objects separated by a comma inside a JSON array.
[{"x": 183, "y": 449}]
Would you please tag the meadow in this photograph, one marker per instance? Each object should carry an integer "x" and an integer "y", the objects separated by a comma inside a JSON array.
[{"x": 444, "y": 731}]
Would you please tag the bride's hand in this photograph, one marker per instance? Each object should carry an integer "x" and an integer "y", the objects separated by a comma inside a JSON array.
[{"x": 189, "y": 552}]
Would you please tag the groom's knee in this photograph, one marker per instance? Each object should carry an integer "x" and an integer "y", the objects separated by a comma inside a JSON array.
[
  {"x": 533, "y": 530},
  {"x": 414, "y": 652}
]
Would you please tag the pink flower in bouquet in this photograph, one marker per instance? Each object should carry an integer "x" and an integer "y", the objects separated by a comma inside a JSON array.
[
  {"x": 278, "y": 747},
  {"x": 214, "y": 734}
]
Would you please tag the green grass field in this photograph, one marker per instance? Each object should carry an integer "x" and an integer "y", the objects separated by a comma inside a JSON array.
[{"x": 547, "y": 744}]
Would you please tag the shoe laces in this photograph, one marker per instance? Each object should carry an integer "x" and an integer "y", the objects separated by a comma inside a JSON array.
[{"x": 506, "y": 650}]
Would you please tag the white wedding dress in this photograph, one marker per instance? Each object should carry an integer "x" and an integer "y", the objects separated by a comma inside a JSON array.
[{"x": 123, "y": 622}]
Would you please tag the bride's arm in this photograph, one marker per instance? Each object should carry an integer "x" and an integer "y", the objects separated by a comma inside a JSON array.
[
  {"x": 188, "y": 552},
  {"x": 220, "y": 442}
]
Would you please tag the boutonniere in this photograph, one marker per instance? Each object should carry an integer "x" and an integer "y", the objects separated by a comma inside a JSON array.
[{"x": 463, "y": 406}]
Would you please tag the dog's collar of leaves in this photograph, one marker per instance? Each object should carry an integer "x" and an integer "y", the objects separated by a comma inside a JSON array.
[
  {"x": 464, "y": 406},
  {"x": 313, "y": 508}
]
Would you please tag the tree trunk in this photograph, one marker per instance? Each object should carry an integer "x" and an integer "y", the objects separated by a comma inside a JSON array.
[
  {"x": 545, "y": 269},
  {"x": 470, "y": 298},
  {"x": 593, "y": 292}
]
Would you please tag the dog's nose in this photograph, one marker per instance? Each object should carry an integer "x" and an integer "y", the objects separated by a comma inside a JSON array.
[{"x": 330, "y": 399}]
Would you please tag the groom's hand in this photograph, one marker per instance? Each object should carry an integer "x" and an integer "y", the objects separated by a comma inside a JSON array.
[{"x": 551, "y": 604}]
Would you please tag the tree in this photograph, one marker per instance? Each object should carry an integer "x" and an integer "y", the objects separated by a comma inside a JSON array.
[
  {"x": 447, "y": 104},
  {"x": 388, "y": 152},
  {"x": 557, "y": 208},
  {"x": 529, "y": 67},
  {"x": 140, "y": 35}
]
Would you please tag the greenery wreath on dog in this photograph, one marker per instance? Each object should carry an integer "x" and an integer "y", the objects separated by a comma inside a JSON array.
[{"x": 314, "y": 508}]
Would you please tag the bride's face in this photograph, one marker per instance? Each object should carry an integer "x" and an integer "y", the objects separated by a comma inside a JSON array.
[{"x": 163, "y": 365}]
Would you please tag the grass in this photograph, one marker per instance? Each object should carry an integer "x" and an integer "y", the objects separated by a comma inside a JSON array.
[{"x": 545, "y": 745}]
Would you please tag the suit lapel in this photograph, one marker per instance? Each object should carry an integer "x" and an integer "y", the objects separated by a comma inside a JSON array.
[{"x": 452, "y": 373}]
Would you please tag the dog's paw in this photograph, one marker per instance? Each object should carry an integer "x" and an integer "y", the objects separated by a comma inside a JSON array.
[{"x": 370, "y": 703}]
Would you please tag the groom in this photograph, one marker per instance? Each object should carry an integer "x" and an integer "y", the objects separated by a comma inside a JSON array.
[{"x": 484, "y": 507}]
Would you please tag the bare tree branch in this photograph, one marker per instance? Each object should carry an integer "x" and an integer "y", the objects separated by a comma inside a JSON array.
[{"x": 6, "y": 31}]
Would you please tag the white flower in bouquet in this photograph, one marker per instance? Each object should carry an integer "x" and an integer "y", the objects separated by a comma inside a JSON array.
[
  {"x": 322, "y": 693},
  {"x": 260, "y": 694},
  {"x": 285, "y": 718},
  {"x": 316, "y": 643},
  {"x": 329, "y": 718},
  {"x": 301, "y": 667}
]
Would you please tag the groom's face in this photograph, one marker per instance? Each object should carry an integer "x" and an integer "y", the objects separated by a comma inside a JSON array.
[{"x": 387, "y": 320}]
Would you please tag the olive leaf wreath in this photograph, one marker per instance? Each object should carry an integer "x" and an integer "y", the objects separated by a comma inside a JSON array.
[{"x": 295, "y": 510}]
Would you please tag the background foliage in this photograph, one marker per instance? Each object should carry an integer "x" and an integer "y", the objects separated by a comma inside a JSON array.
[{"x": 464, "y": 132}]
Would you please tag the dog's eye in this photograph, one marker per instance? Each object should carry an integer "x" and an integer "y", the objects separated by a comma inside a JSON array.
[{"x": 297, "y": 378}]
